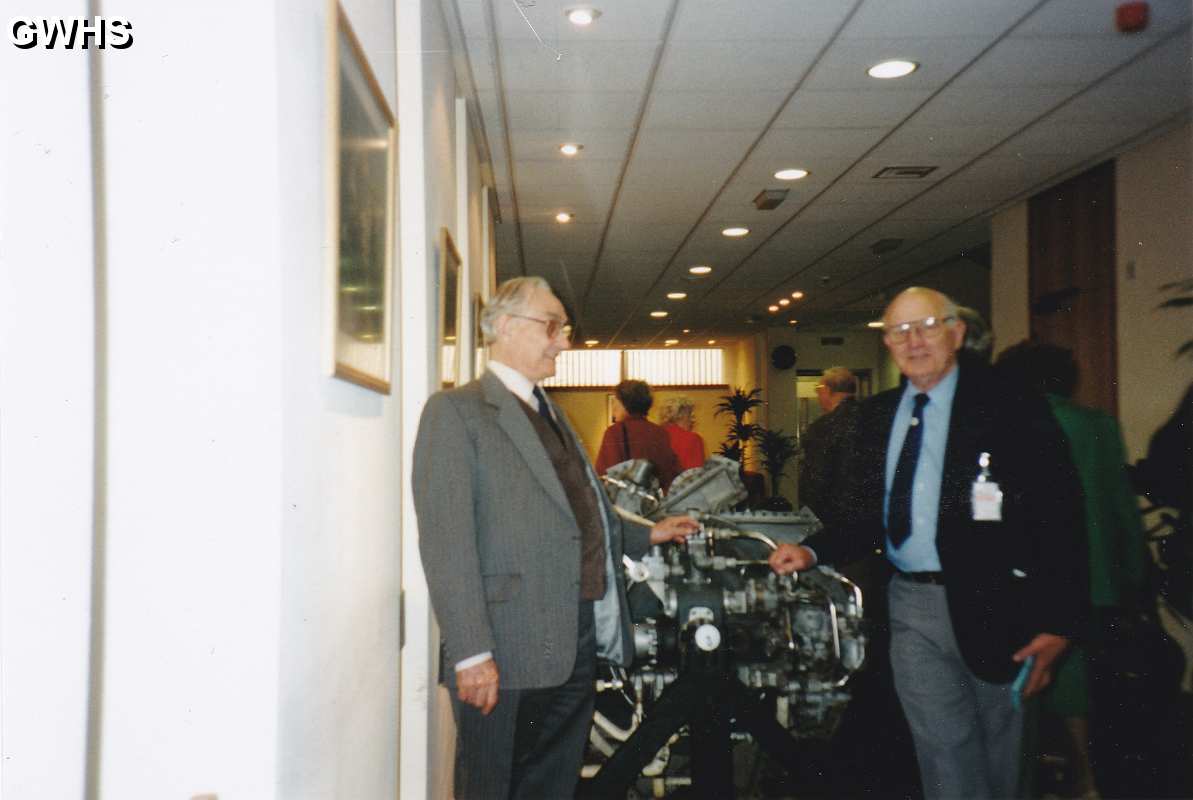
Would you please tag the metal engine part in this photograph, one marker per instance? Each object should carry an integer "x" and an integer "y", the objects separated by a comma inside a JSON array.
[{"x": 796, "y": 640}]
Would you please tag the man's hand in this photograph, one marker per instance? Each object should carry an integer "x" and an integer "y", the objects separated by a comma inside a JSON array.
[
  {"x": 1046, "y": 647},
  {"x": 789, "y": 558},
  {"x": 673, "y": 529},
  {"x": 477, "y": 685}
]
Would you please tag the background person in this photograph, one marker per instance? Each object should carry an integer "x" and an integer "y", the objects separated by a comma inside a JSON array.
[
  {"x": 522, "y": 553},
  {"x": 827, "y": 441},
  {"x": 632, "y": 435},
  {"x": 985, "y": 576},
  {"x": 1114, "y": 531},
  {"x": 677, "y": 419}
]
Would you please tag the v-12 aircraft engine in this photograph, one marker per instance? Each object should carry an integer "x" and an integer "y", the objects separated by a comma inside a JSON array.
[{"x": 794, "y": 640}]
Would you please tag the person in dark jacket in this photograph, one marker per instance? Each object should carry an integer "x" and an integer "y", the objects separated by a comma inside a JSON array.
[{"x": 967, "y": 484}]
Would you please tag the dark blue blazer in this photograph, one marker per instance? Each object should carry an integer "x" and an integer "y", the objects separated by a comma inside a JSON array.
[{"x": 1006, "y": 581}]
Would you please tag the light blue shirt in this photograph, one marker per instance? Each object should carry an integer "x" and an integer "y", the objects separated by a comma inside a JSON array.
[{"x": 918, "y": 552}]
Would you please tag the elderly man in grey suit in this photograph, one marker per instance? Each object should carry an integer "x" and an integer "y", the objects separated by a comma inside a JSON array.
[{"x": 522, "y": 552}]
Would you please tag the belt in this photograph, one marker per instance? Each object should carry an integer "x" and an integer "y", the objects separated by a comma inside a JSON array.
[{"x": 934, "y": 578}]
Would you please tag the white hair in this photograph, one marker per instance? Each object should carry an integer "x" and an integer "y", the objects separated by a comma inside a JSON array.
[{"x": 510, "y": 298}]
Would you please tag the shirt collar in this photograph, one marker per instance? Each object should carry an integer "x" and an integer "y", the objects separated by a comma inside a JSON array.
[
  {"x": 940, "y": 395},
  {"x": 516, "y": 382}
]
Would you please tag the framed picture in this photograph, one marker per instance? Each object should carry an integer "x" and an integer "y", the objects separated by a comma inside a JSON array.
[
  {"x": 478, "y": 335},
  {"x": 363, "y": 217},
  {"x": 449, "y": 308}
]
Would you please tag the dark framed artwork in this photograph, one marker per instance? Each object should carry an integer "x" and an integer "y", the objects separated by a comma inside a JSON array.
[
  {"x": 449, "y": 308},
  {"x": 364, "y": 217}
]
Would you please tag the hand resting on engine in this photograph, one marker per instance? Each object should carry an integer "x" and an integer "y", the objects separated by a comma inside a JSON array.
[
  {"x": 673, "y": 529},
  {"x": 789, "y": 558}
]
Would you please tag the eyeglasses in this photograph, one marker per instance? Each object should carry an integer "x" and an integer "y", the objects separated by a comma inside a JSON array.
[
  {"x": 928, "y": 327},
  {"x": 554, "y": 326}
]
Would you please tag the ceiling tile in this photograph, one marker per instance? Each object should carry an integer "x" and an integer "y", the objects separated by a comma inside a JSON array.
[
  {"x": 543, "y": 145},
  {"x": 564, "y": 111},
  {"x": 630, "y": 235},
  {"x": 620, "y": 20},
  {"x": 1001, "y": 105},
  {"x": 860, "y": 108},
  {"x": 728, "y": 111},
  {"x": 547, "y": 174},
  {"x": 1034, "y": 61},
  {"x": 814, "y": 148},
  {"x": 844, "y": 65},
  {"x": 1076, "y": 139},
  {"x": 586, "y": 67},
  {"x": 758, "y": 20},
  {"x": 728, "y": 66},
  {"x": 710, "y": 145},
  {"x": 553, "y": 239},
  {"x": 892, "y": 19}
]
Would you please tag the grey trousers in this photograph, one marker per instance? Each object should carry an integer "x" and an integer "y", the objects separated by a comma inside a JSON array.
[
  {"x": 968, "y": 736},
  {"x": 531, "y": 745}
]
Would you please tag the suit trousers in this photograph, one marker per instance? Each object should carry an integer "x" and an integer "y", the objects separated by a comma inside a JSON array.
[
  {"x": 968, "y": 735},
  {"x": 531, "y": 746}
]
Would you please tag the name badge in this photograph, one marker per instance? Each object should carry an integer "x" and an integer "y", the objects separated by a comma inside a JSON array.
[{"x": 986, "y": 497}]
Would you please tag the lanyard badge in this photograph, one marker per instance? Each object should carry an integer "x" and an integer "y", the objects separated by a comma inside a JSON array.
[{"x": 986, "y": 496}]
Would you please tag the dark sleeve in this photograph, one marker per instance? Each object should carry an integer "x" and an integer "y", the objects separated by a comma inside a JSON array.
[{"x": 1054, "y": 521}]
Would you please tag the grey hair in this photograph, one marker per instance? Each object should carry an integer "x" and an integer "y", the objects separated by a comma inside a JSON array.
[
  {"x": 675, "y": 407},
  {"x": 839, "y": 379},
  {"x": 510, "y": 298},
  {"x": 979, "y": 339}
]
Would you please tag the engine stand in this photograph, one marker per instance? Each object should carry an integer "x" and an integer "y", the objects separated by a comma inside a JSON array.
[{"x": 713, "y": 704}]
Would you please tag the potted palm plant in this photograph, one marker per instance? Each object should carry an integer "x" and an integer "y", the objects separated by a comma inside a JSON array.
[{"x": 739, "y": 404}]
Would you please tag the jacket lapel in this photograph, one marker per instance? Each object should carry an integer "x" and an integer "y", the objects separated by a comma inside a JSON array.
[{"x": 512, "y": 419}]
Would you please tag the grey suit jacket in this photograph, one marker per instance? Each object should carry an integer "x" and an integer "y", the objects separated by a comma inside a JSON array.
[{"x": 499, "y": 542}]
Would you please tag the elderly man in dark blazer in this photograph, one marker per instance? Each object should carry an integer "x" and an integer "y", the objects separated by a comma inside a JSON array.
[
  {"x": 968, "y": 486},
  {"x": 522, "y": 553}
]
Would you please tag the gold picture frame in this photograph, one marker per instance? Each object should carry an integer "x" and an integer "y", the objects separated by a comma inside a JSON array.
[
  {"x": 450, "y": 265},
  {"x": 363, "y": 216}
]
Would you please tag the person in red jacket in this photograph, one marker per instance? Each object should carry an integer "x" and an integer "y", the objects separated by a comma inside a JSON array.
[
  {"x": 632, "y": 435},
  {"x": 677, "y": 419}
]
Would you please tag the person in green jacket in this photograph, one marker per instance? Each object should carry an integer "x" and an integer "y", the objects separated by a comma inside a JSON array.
[{"x": 1114, "y": 530}]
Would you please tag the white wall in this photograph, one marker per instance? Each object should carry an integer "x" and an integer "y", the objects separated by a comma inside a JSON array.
[
  {"x": 338, "y": 676},
  {"x": 1010, "y": 320},
  {"x": 46, "y": 419},
  {"x": 195, "y": 427},
  {"x": 1154, "y": 203}
]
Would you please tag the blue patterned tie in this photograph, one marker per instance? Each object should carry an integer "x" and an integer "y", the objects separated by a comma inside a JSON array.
[{"x": 898, "y": 518}]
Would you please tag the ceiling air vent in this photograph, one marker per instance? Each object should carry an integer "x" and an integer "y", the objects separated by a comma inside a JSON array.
[
  {"x": 903, "y": 173},
  {"x": 884, "y": 246},
  {"x": 769, "y": 199}
]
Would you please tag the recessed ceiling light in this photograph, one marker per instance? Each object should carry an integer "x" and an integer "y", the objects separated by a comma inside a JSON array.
[
  {"x": 772, "y": 309},
  {"x": 792, "y": 321},
  {"x": 591, "y": 342},
  {"x": 700, "y": 269},
  {"x": 570, "y": 148},
  {"x": 875, "y": 324},
  {"x": 712, "y": 341},
  {"x": 687, "y": 330},
  {"x": 670, "y": 342},
  {"x": 563, "y": 217},
  {"x": 658, "y": 314},
  {"x": 793, "y": 174},
  {"x": 784, "y": 302},
  {"x": 676, "y": 295},
  {"x": 735, "y": 232},
  {"x": 582, "y": 17},
  {"x": 797, "y": 295},
  {"x": 895, "y": 68}
]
